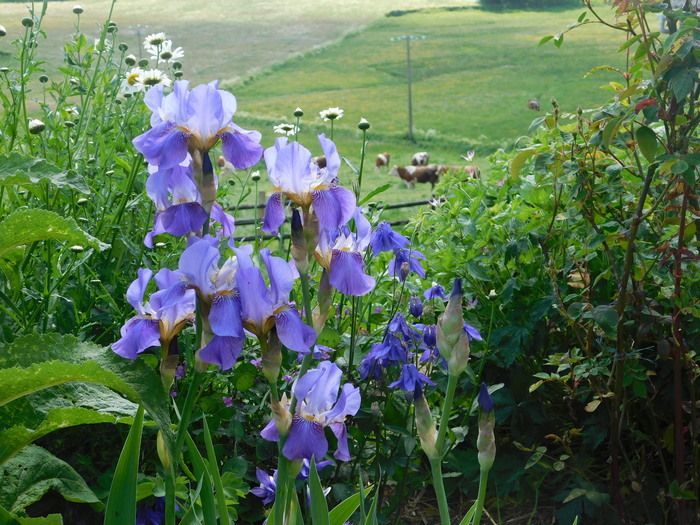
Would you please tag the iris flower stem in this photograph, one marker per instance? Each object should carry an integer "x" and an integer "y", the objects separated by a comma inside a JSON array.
[
  {"x": 439, "y": 486},
  {"x": 362, "y": 165},
  {"x": 445, "y": 415},
  {"x": 483, "y": 480},
  {"x": 170, "y": 496}
]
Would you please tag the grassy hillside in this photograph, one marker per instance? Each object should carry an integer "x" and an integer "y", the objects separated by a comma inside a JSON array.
[
  {"x": 473, "y": 74},
  {"x": 222, "y": 39}
]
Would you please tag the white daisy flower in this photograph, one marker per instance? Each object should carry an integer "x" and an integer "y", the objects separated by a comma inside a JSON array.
[
  {"x": 132, "y": 83},
  {"x": 153, "y": 40},
  {"x": 166, "y": 53},
  {"x": 153, "y": 77},
  {"x": 331, "y": 114},
  {"x": 286, "y": 129}
]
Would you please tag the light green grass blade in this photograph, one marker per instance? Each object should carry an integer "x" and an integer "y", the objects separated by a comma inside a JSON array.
[
  {"x": 121, "y": 505},
  {"x": 319, "y": 507},
  {"x": 215, "y": 475},
  {"x": 201, "y": 470}
]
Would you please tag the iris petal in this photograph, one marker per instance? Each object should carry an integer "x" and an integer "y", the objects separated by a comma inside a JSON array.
[
  {"x": 347, "y": 274},
  {"x": 222, "y": 351},
  {"x": 292, "y": 332},
  {"x": 306, "y": 439}
]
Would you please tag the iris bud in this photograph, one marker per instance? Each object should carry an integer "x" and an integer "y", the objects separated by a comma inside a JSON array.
[
  {"x": 425, "y": 427},
  {"x": 162, "y": 448},
  {"x": 272, "y": 358},
  {"x": 486, "y": 441},
  {"x": 452, "y": 340},
  {"x": 300, "y": 252}
]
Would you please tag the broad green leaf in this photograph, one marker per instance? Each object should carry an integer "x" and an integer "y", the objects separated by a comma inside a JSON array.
[
  {"x": 647, "y": 141},
  {"x": 13, "y": 439},
  {"x": 215, "y": 475},
  {"x": 34, "y": 363},
  {"x": 605, "y": 316},
  {"x": 31, "y": 173},
  {"x": 121, "y": 504},
  {"x": 26, "y": 226},
  {"x": 610, "y": 130},
  {"x": 319, "y": 507},
  {"x": 34, "y": 472},
  {"x": 516, "y": 165},
  {"x": 344, "y": 510}
]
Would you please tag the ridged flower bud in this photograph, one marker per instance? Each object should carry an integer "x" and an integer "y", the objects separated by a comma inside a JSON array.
[
  {"x": 486, "y": 441},
  {"x": 425, "y": 427},
  {"x": 300, "y": 251},
  {"x": 36, "y": 126},
  {"x": 272, "y": 358},
  {"x": 162, "y": 449},
  {"x": 78, "y": 10},
  {"x": 363, "y": 124},
  {"x": 298, "y": 113},
  {"x": 452, "y": 340}
]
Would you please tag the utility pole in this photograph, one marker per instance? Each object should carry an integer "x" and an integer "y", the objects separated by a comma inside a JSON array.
[{"x": 409, "y": 77}]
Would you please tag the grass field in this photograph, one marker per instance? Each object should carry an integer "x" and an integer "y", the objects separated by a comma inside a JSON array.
[{"x": 473, "y": 74}]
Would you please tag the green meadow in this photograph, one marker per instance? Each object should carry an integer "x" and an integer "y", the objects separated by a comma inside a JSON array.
[{"x": 473, "y": 74}]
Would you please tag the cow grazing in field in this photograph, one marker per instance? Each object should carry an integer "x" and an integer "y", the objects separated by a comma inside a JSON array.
[
  {"x": 412, "y": 174},
  {"x": 470, "y": 170},
  {"x": 382, "y": 160},
  {"x": 420, "y": 159}
]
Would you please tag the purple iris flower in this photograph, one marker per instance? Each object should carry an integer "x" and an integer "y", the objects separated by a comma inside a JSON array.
[
  {"x": 485, "y": 399},
  {"x": 341, "y": 254},
  {"x": 268, "y": 483},
  {"x": 319, "y": 406},
  {"x": 267, "y": 307},
  {"x": 186, "y": 121},
  {"x": 216, "y": 286},
  {"x": 473, "y": 333},
  {"x": 406, "y": 261},
  {"x": 157, "y": 321},
  {"x": 268, "y": 486},
  {"x": 398, "y": 325},
  {"x": 151, "y": 513},
  {"x": 411, "y": 380},
  {"x": 415, "y": 306},
  {"x": 385, "y": 239},
  {"x": 296, "y": 177},
  {"x": 435, "y": 291}
]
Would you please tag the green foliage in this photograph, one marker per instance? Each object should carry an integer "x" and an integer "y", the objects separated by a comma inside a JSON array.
[
  {"x": 319, "y": 507},
  {"x": 27, "y": 226},
  {"x": 121, "y": 505},
  {"x": 35, "y": 471}
]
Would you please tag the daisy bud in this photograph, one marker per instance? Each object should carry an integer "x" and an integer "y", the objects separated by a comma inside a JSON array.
[
  {"x": 43, "y": 79},
  {"x": 486, "y": 441},
  {"x": 298, "y": 113},
  {"x": 255, "y": 176},
  {"x": 4, "y": 69},
  {"x": 130, "y": 60},
  {"x": 82, "y": 201},
  {"x": 363, "y": 124},
  {"x": 123, "y": 46},
  {"x": 77, "y": 248},
  {"x": 36, "y": 126},
  {"x": 78, "y": 10},
  {"x": 425, "y": 427},
  {"x": 177, "y": 74},
  {"x": 177, "y": 65},
  {"x": 143, "y": 62},
  {"x": 112, "y": 27},
  {"x": 162, "y": 450},
  {"x": 3, "y": 31},
  {"x": 452, "y": 340},
  {"x": 27, "y": 21}
]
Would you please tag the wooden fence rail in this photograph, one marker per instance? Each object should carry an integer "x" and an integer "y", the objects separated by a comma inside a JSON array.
[{"x": 253, "y": 222}]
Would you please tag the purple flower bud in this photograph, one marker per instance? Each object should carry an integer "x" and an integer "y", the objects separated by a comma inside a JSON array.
[
  {"x": 227, "y": 401},
  {"x": 415, "y": 306},
  {"x": 435, "y": 291},
  {"x": 485, "y": 399}
]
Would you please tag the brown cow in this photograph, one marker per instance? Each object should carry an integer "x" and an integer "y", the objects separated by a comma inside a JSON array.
[
  {"x": 412, "y": 174},
  {"x": 382, "y": 160}
]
